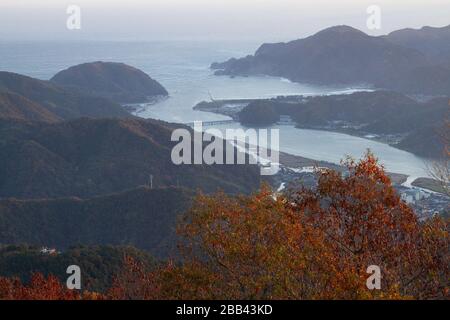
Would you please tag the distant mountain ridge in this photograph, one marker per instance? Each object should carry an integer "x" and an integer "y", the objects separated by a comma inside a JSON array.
[
  {"x": 434, "y": 42},
  {"x": 343, "y": 55},
  {"x": 116, "y": 81}
]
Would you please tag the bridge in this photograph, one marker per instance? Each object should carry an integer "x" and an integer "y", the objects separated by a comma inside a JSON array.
[
  {"x": 284, "y": 120},
  {"x": 211, "y": 123}
]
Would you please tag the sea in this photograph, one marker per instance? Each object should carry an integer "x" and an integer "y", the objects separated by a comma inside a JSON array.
[{"x": 183, "y": 68}]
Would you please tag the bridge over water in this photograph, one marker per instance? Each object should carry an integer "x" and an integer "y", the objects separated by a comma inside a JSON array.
[
  {"x": 284, "y": 120},
  {"x": 211, "y": 123}
]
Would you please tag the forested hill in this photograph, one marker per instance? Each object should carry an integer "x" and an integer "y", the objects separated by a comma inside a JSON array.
[
  {"x": 99, "y": 264},
  {"x": 90, "y": 157},
  {"x": 143, "y": 218},
  {"x": 116, "y": 81}
]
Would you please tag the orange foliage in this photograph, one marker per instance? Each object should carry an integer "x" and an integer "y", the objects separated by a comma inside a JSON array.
[
  {"x": 39, "y": 288},
  {"x": 312, "y": 244},
  {"x": 42, "y": 288},
  {"x": 366, "y": 223},
  {"x": 134, "y": 283}
]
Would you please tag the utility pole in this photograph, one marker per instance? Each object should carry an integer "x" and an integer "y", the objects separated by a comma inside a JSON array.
[{"x": 151, "y": 181}]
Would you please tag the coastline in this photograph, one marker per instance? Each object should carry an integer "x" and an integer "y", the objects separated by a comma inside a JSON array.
[
  {"x": 224, "y": 107},
  {"x": 230, "y": 108}
]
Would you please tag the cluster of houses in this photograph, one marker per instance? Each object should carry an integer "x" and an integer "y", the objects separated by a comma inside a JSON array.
[
  {"x": 49, "y": 251},
  {"x": 412, "y": 195},
  {"x": 425, "y": 204}
]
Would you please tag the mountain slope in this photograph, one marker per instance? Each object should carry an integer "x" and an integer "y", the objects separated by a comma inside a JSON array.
[
  {"x": 343, "y": 55},
  {"x": 90, "y": 157},
  {"x": 426, "y": 142},
  {"x": 14, "y": 106},
  {"x": 142, "y": 218},
  {"x": 116, "y": 81},
  {"x": 58, "y": 101}
]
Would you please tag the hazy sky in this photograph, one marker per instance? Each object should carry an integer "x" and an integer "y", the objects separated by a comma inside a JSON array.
[{"x": 265, "y": 20}]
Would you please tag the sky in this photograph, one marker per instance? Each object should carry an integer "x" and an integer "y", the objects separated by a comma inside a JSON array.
[{"x": 265, "y": 20}]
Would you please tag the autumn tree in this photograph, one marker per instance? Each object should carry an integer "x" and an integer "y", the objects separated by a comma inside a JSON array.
[
  {"x": 135, "y": 282},
  {"x": 310, "y": 244},
  {"x": 42, "y": 288},
  {"x": 366, "y": 223},
  {"x": 39, "y": 288}
]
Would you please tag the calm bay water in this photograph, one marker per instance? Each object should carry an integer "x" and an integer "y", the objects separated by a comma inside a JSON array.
[
  {"x": 333, "y": 147},
  {"x": 183, "y": 68}
]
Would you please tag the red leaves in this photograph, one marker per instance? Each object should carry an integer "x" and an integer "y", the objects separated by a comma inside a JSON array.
[
  {"x": 316, "y": 244},
  {"x": 39, "y": 288}
]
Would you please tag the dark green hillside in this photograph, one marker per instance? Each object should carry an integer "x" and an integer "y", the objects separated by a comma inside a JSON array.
[
  {"x": 259, "y": 113},
  {"x": 142, "y": 218},
  {"x": 89, "y": 157},
  {"x": 426, "y": 142},
  {"x": 98, "y": 264}
]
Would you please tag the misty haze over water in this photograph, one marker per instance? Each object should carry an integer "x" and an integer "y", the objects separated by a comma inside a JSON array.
[{"x": 254, "y": 20}]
